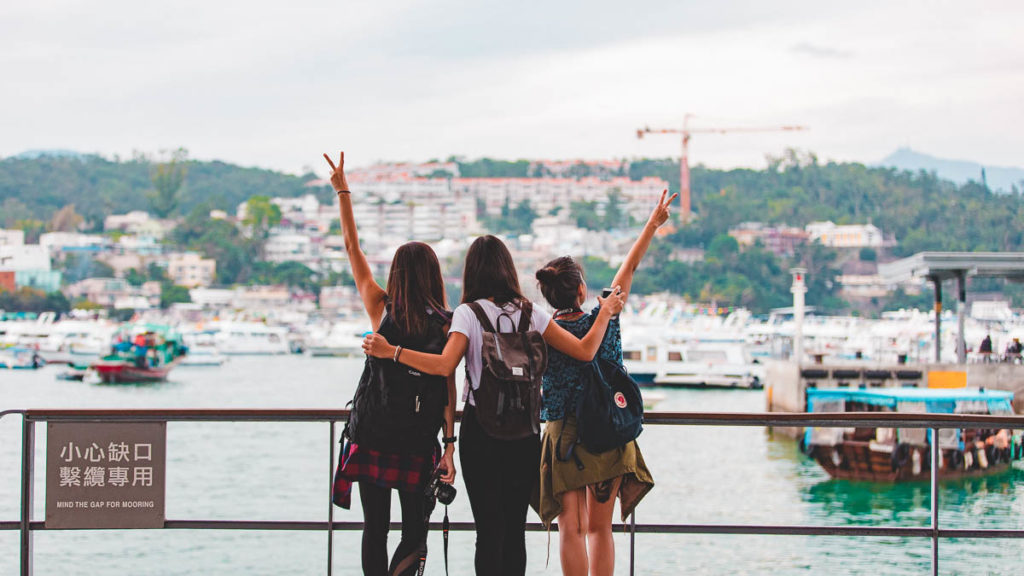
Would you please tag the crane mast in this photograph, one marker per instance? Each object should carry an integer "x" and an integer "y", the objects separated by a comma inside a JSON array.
[{"x": 685, "y": 132}]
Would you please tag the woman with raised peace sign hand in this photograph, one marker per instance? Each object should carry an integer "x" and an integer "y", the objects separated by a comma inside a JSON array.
[
  {"x": 392, "y": 443},
  {"x": 581, "y": 491}
]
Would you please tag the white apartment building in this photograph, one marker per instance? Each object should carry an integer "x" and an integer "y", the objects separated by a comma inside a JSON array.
[
  {"x": 845, "y": 236},
  {"x": 137, "y": 222},
  {"x": 285, "y": 247},
  {"x": 12, "y": 237},
  {"x": 19, "y": 257},
  {"x": 191, "y": 270},
  {"x": 546, "y": 194},
  {"x": 57, "y": 242}
]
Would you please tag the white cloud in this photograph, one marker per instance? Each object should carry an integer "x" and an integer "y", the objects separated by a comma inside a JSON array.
[{"x": 272, "y": 84}]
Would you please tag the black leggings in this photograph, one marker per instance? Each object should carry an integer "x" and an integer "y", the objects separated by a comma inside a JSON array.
[
  {"x": 500, "y": 477},
  {"x": 376, "y": 503}
]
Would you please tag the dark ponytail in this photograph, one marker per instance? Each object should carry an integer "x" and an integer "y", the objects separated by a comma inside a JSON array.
[{"x": 560, "y": 282}]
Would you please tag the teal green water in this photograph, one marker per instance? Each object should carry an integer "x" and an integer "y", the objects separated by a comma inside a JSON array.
[{"x": 281, "y": 472}]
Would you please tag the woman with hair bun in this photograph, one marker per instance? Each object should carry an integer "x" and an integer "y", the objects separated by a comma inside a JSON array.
[{"x": 583, "y": 499}]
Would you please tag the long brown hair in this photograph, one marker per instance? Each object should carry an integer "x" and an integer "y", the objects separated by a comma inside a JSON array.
[
  {"x": 560, "y": 282},
  {"x": 415, "y": 285},
  {"x": 490, "y": 273}
]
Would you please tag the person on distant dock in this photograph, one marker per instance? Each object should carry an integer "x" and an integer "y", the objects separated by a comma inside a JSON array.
[
  {"x": 581, "y": 492},
  {"x": 414, "y": 307},
  {"x": 500, "y": 474},
  {"x": 986, "y": 345}
]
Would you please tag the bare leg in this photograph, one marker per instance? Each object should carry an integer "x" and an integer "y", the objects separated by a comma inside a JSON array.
[
  {"x": 601, "y": 545},
  {"x": 572, "y": 533}
]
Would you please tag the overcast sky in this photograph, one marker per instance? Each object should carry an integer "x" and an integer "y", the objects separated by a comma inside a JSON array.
[{"x": 273, "y": 84}]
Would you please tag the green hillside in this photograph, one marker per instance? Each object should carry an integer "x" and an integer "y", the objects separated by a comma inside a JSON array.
[{"x": 35, "y": 188}]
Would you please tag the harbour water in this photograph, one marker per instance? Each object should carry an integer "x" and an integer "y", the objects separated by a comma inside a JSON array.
[{"x": 220, "y": 471}]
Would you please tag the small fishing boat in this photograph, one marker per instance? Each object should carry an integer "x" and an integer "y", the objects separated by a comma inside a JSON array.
[
  {"x": 902, "y": 454},
  {"x": 141, "y": 353}
]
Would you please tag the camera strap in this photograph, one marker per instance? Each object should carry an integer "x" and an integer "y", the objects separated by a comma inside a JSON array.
[{"x": 445, "y": 526}]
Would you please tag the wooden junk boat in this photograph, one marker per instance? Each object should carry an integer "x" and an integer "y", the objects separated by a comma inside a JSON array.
[
  {"x": 904, "y": 454},
  {"x": 141, "y": 353}
]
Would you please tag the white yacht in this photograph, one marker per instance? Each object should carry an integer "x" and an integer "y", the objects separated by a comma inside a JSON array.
[
  {"x": 235, "y": 338},
  {"x": 77, "y": 342},
  {"x": 202, "y": 349},
  {"x": 340, "y": 339}
]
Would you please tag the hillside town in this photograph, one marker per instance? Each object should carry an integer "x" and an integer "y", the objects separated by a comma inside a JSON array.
[{"x": 394, "y": 203}]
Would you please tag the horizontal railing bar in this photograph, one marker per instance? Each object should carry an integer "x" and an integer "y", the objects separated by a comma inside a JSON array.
[
  {"x": 10, "y": 412},
  {"x": 824, "y": 420},
  {"x": 737, "y": 529},
  {"x": 770, "y": 530}
]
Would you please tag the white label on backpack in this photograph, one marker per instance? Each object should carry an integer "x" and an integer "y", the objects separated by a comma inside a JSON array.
[{"x": 517, "y": 371}]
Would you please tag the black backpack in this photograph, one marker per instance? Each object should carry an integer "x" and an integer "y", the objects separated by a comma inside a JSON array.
[
  {"x": 609, "y": 412},
  {"x": 395, "y": 408},
  {"x": 507, "y": 398}
]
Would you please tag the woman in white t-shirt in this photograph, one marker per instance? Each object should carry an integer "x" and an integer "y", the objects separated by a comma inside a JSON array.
[{"x": 500, "y": 475}]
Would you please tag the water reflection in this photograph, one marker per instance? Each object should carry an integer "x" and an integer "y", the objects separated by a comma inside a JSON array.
[{"x": 977, "y": 502}]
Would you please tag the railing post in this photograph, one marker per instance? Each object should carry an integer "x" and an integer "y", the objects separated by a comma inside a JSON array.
[
  {"x": 28, "y": 451},
  {"x": 632, "y": 543},
  {"x": 330, "y": 506},
  {"x": 935, "y": 500}
]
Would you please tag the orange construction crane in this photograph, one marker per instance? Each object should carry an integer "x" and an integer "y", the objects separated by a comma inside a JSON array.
[{"x": 684, "y": 161}]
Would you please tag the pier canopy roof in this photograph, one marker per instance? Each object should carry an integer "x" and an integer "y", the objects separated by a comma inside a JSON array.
[{"x": 949, "y": 265}]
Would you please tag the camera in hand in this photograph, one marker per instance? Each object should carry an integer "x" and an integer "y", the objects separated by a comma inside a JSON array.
[{"x": 444, "y": 492}]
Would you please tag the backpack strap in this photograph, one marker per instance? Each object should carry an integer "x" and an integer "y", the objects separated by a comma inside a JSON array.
[
  {"x": 481, "y": 316},
  {"x": 572, "y": 449},
  {"x": 525, "y": 315}
]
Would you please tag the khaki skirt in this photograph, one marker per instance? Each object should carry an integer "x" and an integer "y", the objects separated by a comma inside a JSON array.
[{"x": 558, "y": 477}]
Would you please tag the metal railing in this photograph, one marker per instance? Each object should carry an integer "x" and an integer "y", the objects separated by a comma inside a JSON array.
[{"x": 934, "y": 422}]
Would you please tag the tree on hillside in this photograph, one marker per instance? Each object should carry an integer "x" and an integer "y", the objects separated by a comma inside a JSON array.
[
  {"x": 65, "y": 220},
  {"x": 32, "y": 229},
  {"x": 614, "y": 217},
  {"x": 167, "y": 179},
  {"x": 261, "y": 215}
]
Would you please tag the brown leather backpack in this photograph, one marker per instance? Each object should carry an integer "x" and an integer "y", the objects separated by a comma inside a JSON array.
[{"x": 513, "y": 363}]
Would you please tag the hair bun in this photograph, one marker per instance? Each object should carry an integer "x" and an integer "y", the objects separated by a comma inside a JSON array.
[{"x": 547, "y": 274}]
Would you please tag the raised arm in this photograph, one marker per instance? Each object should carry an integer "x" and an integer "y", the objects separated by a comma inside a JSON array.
[
  {"x": 584, "y": 349},
  {"x": 374, "y": 297},
  {"x": 624, "y": 277},
  {"x": 441, "y": 364}
]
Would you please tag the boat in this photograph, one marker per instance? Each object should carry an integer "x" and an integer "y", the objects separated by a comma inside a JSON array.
[
  {"x": 239, "y": 338},
  {"x": 202, "y": 350},
  {"x": 904, "y": 454},
  {"x": 21, "y": 358},
  {"x": 141, "y": 353},
  {"x": 691, "y": 362},
  {"x": 343, "y": 339},
  {"x": 76, "y": 342}
]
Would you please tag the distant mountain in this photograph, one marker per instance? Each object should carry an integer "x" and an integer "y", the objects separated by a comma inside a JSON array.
[
  {"x": 33, "y": 154},
  {"x": 999, "y": 178}
]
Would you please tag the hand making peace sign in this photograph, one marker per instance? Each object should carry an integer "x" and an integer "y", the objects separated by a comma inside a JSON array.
[
  {"x": 338, "y": 173},
  {"x": 661, "y": 212}
]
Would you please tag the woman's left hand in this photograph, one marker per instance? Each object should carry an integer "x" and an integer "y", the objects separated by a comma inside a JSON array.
[
  {"x": 448, "y": 465},
  {"x": 377, "y": 346}
]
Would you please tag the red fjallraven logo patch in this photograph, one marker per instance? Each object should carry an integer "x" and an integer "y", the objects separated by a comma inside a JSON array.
[{"x": 620, "y": 400}]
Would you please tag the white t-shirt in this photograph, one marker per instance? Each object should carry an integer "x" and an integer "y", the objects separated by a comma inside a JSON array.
[{"x": 464, "y": 321}]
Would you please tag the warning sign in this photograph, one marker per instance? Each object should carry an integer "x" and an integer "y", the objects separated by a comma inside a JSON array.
[{"x": 105, "y": 475}]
